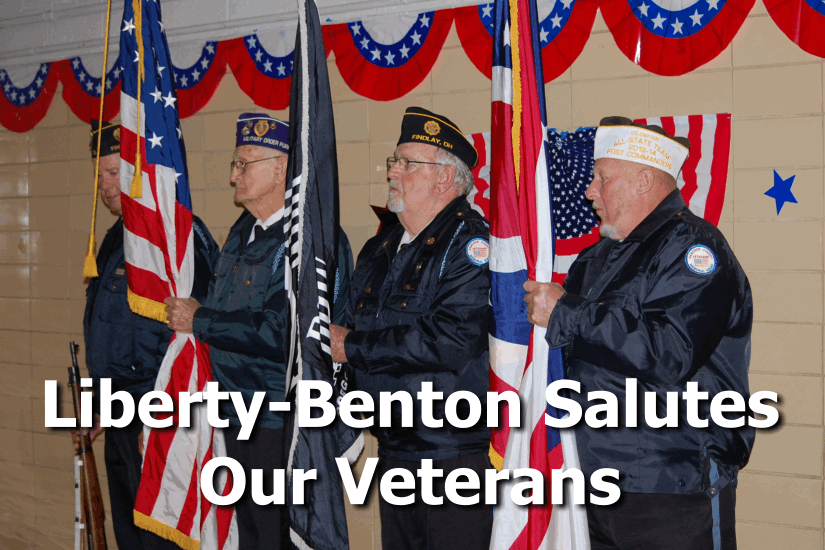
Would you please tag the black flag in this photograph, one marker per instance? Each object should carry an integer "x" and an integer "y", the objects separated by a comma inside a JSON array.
[{"x": 312, "y": 237}]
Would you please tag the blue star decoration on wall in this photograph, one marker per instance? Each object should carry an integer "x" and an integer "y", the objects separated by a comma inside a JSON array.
[{"x": 781, "y": 191}]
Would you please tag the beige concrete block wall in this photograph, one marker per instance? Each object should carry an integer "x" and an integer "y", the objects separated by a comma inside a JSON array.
[{"x": 773, "y": 89}]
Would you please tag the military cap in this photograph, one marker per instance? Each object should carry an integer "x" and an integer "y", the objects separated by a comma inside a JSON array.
[
  {"x": 109, "y": 135},
  {"x": 262, "y": 130},
  {"x": 421, "y": 126},
  {"x": 620, "y": 138}
]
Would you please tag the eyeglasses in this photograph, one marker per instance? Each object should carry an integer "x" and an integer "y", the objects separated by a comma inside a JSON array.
[
  {"x": 240, "y": 165},
  {"x": 405, "y": 162}
]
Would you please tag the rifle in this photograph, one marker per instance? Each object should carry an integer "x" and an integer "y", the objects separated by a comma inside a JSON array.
[{"x": 89, "y": 508}]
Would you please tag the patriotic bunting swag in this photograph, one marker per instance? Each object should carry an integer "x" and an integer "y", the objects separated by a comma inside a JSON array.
[
  {"x": 803, "y": 21},
  {"x": 195, "y": 85},
  {"x": 158, "y": 243},
  {"x": 81, "y": 91},
  {"x": 563, "y": 32},
  {"x": 21, "y": 108},
  {"x": 386, "y": 60},
  {"x": 264, "y": 77},
  {"x": 522, "y": 247},
  {"x": 671, "y": 37},
  {"x": 311, "y": 213}
]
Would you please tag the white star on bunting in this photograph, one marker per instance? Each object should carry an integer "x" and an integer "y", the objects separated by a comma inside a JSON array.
[
  {"x": 657, "y": 22},
  {"x": 677, "y": 27}
]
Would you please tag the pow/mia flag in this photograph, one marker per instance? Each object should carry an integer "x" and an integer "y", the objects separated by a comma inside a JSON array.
[{"x": 312, "y": 239}]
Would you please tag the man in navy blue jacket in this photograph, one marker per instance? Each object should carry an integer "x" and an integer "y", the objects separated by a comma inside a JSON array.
[
  {"x": 125, "y": 347},
  {"x": 663, "y": 300},
  {"x": 244, "y": 319},
  {"x": 419, "y": 314}
]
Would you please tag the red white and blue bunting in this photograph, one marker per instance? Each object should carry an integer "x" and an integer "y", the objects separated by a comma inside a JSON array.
[
  {"x": 81, "y": 90},
  {"x": 264, "y": 76},
  {"x": 673, "y": 37},
  {"x": 196, "y": 84},
  {"x": 384, "y": 59},
  {"x": 563, "y": 33},
  {"x": 802, "y": 21},
  {"x": 22, "y": 108}
]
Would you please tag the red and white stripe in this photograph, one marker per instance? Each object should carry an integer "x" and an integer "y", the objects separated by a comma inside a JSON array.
[{"x": 159, "y": 249}]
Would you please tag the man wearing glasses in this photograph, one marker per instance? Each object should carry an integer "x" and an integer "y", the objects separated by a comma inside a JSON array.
[
  {"x": 419, "y": 314},
  {"x": 243, "y": 319}
]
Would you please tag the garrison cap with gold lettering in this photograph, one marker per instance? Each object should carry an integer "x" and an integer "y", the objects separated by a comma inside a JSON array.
[
  {"x": 421, "y": 126},
  {"x": 620, "y": 138},
  {"x": 109, "y": 135},
  {"x": 263, "y": 130}
]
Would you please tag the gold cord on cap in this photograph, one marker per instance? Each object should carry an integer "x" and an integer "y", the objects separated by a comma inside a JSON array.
[{"x": 90, "y": 263}]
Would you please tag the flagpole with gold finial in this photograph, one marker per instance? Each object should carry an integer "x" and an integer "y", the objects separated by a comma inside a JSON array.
[{"x": 90, "y": 263}]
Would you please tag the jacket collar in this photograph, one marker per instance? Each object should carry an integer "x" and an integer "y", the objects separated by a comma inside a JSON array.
[
  {"x": 671, "y": 206},
  {"x": 430, "y": 235}
]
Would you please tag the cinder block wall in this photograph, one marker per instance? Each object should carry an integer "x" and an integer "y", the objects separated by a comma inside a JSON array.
[{"x": 773, "y": 89}]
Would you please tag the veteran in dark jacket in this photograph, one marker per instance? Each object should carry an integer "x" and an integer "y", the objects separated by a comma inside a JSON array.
[
  {"x": 662, "y": 299},
  {"x": 419, "y": 313},
  {"x": 244, "y": 319},
  {"x": 126, "y": 347}
]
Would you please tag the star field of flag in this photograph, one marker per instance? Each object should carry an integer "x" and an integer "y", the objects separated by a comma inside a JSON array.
[
  {"x": 189, "y": 77},
  {"x": 267, "y": 64},
  {"x": 571, "y": 170},
  {"x": 164, "y": 145},
  {"x": 26, "y": 95},
  {"x": 392, "y": 55}
]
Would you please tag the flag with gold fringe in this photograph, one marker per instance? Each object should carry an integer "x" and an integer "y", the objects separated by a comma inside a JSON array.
[{"x": 159, "y": 248}]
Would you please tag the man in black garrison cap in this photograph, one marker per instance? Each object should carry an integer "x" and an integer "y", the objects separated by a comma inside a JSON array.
[
  {"x": 659, "y": 304},
  {"x": 125, "y": 347},
  {"x": 418, "y": 314}
]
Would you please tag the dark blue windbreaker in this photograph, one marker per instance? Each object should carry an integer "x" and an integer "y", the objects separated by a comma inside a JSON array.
[{"x": 641, "y": 308}]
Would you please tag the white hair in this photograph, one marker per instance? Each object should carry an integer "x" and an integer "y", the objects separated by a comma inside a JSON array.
[{"x": 464, "y": 180}]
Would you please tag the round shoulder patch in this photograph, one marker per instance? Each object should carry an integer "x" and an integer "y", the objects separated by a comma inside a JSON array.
[
  {"x": 700, "y": 259},
  {"x": 478, "y": 250}
]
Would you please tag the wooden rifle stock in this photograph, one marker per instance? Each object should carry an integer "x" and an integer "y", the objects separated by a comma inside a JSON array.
[{"x": 91, "y": 499}]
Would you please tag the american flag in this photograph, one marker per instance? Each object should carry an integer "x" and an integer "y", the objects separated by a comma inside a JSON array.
[{"x": 159, "y": 248}]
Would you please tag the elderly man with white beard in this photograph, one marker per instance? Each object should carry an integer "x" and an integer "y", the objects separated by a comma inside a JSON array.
[{"x": 418, "y": 314}]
